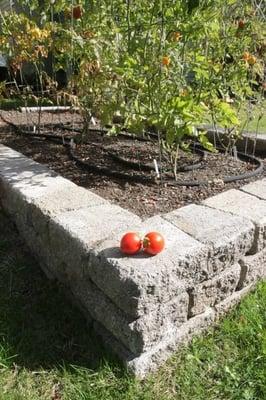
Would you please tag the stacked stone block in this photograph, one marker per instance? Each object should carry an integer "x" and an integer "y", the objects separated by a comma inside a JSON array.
[{"x": 143, "y": 307}]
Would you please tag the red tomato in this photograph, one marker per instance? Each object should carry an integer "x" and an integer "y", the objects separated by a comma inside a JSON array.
[
  {"x": 153, "y": 243},
  {"x": 77, "y": 12},
  {"x": 130, "y": 243}
]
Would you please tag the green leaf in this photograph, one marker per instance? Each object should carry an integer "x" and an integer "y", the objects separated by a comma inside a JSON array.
[{"x": 205, "y": 142}]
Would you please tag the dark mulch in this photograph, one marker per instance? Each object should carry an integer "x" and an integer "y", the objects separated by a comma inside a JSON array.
[{"x": 144, "y": 199}]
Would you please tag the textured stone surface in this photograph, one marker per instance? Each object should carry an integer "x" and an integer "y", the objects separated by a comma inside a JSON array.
[
  {"x": 226, "y": 305},
  {"x": 141, "y": 282},
  {"x": 32, "y": 193},
  {"x": 253, "y": 268},
  {"x": 150, "y": 360},
  {"x": 156, "y": 356},
  {"x": 31, "y": 179},
  {"x": 247, "y": 143},
  {"x": 136, "y": 335},
  {"x": 74, "y": 234},
  {"x": 228, "y": 236},
  {"x": 246, "y": 206},
  {"x": 139, "y": 304},
  {"x": 257, "y": 188},
  {"x": 214, "y": 291}
]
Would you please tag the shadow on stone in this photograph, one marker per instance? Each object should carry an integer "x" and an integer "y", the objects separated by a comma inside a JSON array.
[{"x": 115, "y": 252}]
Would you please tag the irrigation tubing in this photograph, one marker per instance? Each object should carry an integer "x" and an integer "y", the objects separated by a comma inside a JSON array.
[
  {"x": 150, "y": 167},
  {"x": 106, "y": 171},
  {"x": 131, "y": 164},
  {"x": 92, "y": 168},
  {"x": 120, "y": 160},
  {"x": 122, "y": 134}
]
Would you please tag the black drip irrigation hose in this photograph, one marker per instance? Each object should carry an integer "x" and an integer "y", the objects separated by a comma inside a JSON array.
[
  {"x": 150, "y": 167},
  {"x": 66, "y": 141},
  {"x": 122, "y": 134},
  {"x": 133, "y": 164},
  {"x": 106, "y": 171},
  {"x": 228, "y": 179},
  {"x": 139, "y": 179}
]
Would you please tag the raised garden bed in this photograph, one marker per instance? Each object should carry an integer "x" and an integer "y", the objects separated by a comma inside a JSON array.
[
  {"x": 143, "y": 307},
  {"x": 133, "y": 187}
]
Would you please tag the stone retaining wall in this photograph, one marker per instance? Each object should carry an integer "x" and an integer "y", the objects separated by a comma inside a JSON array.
[
  {"x": 249, "y": 142},
  {"x": 143, "y": 307}
]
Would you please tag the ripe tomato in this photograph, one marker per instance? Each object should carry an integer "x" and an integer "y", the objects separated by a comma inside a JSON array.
[
  {"x": 130, "y": 243},
  {"x": 166, "y": 61},
  {"x": 153, "y": 243},
  {"x": 77, "y": 12}
]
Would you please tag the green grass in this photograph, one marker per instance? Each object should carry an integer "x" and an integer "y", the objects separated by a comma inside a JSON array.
[
  {"x": 17, "y": 102},
  {"x": 11, "y": 104},
  {"x": 254, "y": 119},
  {"x": 48, "y": 352}
]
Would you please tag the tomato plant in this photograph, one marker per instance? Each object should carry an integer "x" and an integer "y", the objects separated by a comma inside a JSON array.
[
  {"x": 161, "y": 66},
  {"x": 153, "y": 243},
  {"x": 130, "y": 243}
]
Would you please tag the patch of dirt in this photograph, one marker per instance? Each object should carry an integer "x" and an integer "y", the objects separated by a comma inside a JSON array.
[{"x": 157, "y": 196}]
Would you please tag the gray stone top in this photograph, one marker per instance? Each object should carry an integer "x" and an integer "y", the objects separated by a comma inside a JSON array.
[
  {"x": 228, "y": 237},
  {"x": 137, "y": 282},
  {"x": 257, "y": 188},
  {"x": 239, "y": 203},
  {"x": 211, "y": 226}
]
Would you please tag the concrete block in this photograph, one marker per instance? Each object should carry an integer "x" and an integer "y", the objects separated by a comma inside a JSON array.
[
  {"x": 32, "y": 194},
  {"x": 253, "y": 268},
  {"x": 230, "y": 302},
  {"x": 32, "y": 217},
  {"x": 247, "y": 143},
  {"x": 137, "y": 335},
  {"x": 257, "y": 188},
  {"x": 31, "y": 179},
  {"x": 73, "y": 235},
  {"x": 140, "y": 304},
  {"x": 27, "y": 186},
  {"x": 228, "y": 236},
  {"x": 140, "y": 283},
  {"x": 247, "y": 206},
  {"x": 214, "y": 291},
  {"x": 41, "y": 211},
  {"x": 150, "y": 360}
]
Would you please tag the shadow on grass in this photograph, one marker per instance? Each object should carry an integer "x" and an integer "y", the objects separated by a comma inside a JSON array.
[{"x": 38, "y": 323}]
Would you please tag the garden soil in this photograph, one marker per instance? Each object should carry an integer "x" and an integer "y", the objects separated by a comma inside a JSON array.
[{"x": 150, "y": 196}]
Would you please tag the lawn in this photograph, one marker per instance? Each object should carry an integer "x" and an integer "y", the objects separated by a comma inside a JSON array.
[
  {"x": 48, "y": 352},
  {"x": 253, "y": 118}
]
